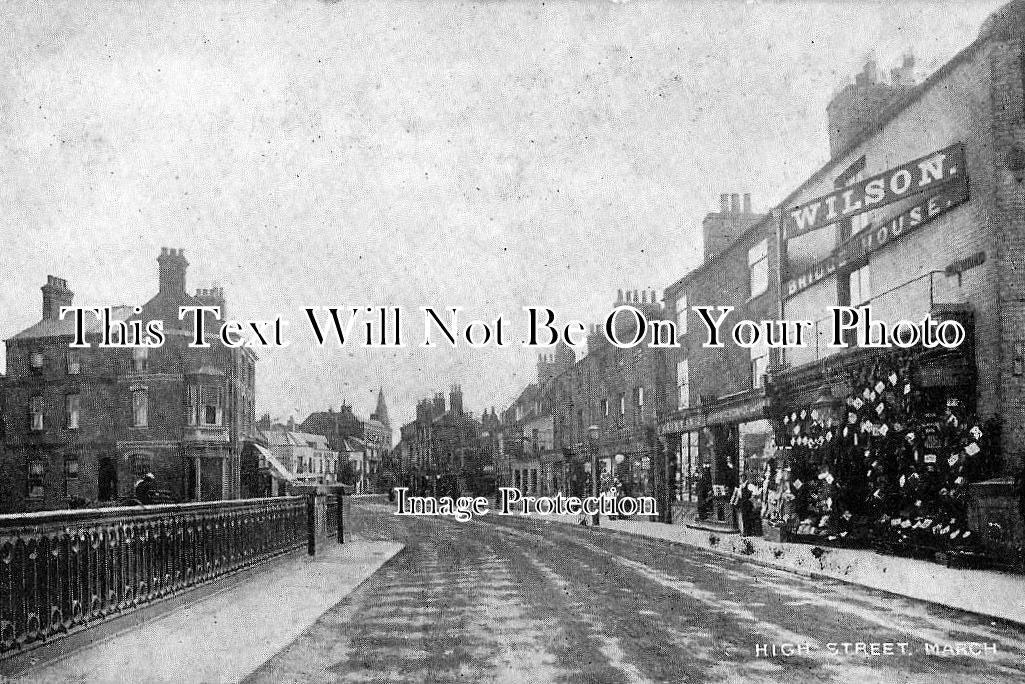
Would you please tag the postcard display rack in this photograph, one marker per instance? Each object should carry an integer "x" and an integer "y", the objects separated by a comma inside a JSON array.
[{"x": 889, "y": 468}]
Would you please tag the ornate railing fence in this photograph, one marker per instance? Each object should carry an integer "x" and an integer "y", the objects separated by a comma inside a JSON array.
[{"x": 61, "y": 571}]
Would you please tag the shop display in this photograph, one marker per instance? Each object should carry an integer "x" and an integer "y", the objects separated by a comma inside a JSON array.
[{"x": 889, "y": 465}]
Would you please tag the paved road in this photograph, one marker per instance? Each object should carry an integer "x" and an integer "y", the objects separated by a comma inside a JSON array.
[{"x": 515, "y": 600}]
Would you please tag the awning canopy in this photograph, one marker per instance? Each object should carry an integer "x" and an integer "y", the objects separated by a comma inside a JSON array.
[{"x": 277, "y": 469}]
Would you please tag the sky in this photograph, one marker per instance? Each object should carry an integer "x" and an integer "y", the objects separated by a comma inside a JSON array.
[{"x": 436, "y": 153}]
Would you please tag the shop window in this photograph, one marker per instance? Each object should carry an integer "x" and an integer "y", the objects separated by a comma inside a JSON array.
[
  {"x": 72, "y": 407},
  {"x": 74, "y": 360},
  {"x": 758, "y": 267},
  {"x": 140, "y": 359},
  {"x": 140, "y": 407},
  {"x": 35, "y": 362},
  {"x": 683, "y": 383},
  {"x": 35, "y": 413},
  {"x": 681, "y": 315},
  {"x": 36, "y": 479}
]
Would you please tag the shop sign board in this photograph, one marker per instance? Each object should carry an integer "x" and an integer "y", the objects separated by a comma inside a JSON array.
[
  {"x": 920, "y": 175},
  {"x": 858, "y": 246}
]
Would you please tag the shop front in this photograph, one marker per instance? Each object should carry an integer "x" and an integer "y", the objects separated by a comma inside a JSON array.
[{"x": 879, "y": 448}]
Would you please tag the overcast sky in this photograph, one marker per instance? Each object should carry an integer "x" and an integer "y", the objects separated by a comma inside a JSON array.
[{"x": 410, "y": 153}]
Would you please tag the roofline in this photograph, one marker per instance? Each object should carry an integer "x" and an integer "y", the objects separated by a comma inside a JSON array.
[{"x": 888, "y": 114}]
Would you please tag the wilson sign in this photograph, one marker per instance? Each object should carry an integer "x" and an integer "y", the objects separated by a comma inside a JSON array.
[
  {"x": 911, "y": 178},
  {"x": 936, "y": 203}
]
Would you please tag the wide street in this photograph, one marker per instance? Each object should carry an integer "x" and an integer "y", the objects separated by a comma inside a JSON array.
[{"x": 514, "y": 599}]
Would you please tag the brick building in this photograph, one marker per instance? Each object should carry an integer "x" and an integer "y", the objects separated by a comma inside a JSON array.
[
  {"x": 83, "y": 424},
  {"x": 919, "y": 211},
  {"x": 607, "y": 404},
  {"x": 443, "y": 452},
  {"x": 720, "y": 416}
]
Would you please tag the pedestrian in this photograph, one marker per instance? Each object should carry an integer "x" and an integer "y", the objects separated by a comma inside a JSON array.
[{"x": 145, "y": 489}]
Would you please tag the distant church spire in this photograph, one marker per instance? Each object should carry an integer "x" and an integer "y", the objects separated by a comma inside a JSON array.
[{"x": 381, "y": 412}]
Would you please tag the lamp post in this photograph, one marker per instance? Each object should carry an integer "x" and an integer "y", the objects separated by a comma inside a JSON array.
[{"x": 592, "y": 439}]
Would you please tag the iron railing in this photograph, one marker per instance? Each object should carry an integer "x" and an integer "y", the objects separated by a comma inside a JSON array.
[{"x": 61, "y": 571}]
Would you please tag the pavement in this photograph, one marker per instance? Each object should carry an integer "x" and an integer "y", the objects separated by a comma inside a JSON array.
[
  {"x": 226, "y": 636},
  {"x": 990, "y": 593},
  {"x": 505, "y": 599}
]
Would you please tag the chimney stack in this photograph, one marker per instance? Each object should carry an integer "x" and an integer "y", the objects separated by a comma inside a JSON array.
[
  {"x": 172, "y": 271},
  {"x": 747, "y": 202},
  {"x": 735, "y": 203},
  {"x": 55, "y": 295},
  {"x": 724, "y": 203}
]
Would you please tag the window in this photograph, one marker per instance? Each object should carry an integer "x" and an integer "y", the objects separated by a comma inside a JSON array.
[
  {"x": 640, "y": 397},
  {"x": 140, "y": 406},
  {"x": 758, "y": 266},
  {"x": 859, "y": 222},
  {"x": 71, "y": 477},
  {"x": 759, "y": 363},
  {"x": 35, "y": 412},
  {"x": 72, "y": 404},
  {"x": 860, "y": 285},
  {"x": 854, "y": 173},
  {"x": 681, "y": 315},
  {"x": 605, "y": 407},
  {"x": 213, "y": 399},
  {"x": 74, "y": 363},
  {"x": 683, "y": 383},
  {"x": 193, "y": 405},
  {"x": 140, "y": 359},
  {"x": 622, "y": 404},
  {"x": 36, "y": 475},
  {"x": 35, "y": 362}
]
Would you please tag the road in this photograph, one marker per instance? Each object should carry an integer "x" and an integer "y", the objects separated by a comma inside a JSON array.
[{"x": 527, "y": 600}]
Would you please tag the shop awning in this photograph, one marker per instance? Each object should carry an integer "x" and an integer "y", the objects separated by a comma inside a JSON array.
[{"x": 277, "y": 469}]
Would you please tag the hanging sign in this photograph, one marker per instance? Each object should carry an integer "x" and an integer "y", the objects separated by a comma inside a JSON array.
[
  {"x": 859, "y": 245},
  {"x": 885, "y": 188}
]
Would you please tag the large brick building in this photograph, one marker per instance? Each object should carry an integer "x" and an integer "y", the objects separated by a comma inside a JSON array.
[
  {"x": 720, "y": 417},
  {"x": 919, "y": 211},
  {"x": 443, "y": 451},
  {"x": 83, "y": 424}
]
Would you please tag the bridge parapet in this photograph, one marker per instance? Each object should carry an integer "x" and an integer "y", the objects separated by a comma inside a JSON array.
[{"x": 63, "y": 571}]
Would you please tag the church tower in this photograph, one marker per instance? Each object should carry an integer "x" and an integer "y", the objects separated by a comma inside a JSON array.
[{"x": 380, "y": 413}]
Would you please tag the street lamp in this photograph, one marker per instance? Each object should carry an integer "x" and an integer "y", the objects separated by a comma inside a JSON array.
[{"x": 592, "y": 438}]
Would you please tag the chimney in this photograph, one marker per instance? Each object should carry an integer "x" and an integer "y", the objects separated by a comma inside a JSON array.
[
  {"x": 635, "y": 297},
  {"x": 854, "y": 109},
  {"x": 212, "y": 296},
  {"x": 724, "y": 203},
  {"x": 735, "y": 203},
  {"x": 172, "y": 271},
  {"x": 619, "y": 297},
  {"x": 747, "y": 202},
  {"x": 55, "y": 295},
  {"x": 291, "y": 424}
]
